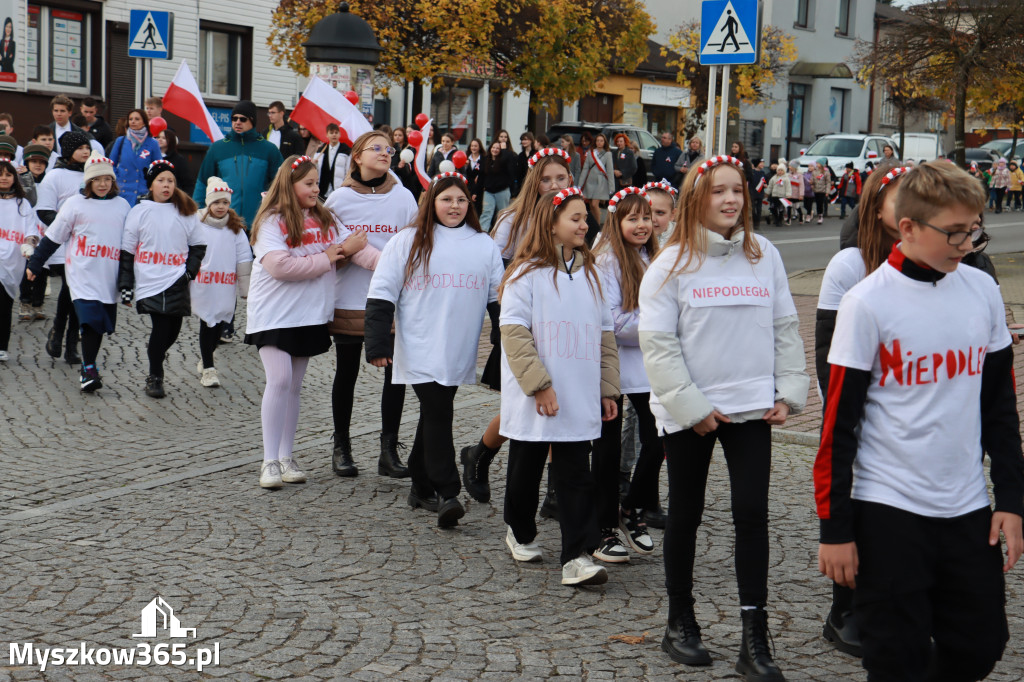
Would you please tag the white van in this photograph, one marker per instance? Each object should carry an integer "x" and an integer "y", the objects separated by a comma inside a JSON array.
[
  {"x": 841, "y": 149},
  {"x": 923, "y": 147}
]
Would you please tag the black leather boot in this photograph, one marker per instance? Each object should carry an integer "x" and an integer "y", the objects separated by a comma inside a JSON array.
[
  {"x": 53, "y": 343},
  {"x": 841, "y": 631},
  {"x": 389, "y": 463},
  {"x": 420, "y": 500},
  {"x": 475, "y": 460},
  {"x": 655, "y": 518},
  {"x": 755, "y": 662},
  {"x": 682, "y": 640},
  {"x": 341, "y": 460},
  {"x": 449, "y": 511}
]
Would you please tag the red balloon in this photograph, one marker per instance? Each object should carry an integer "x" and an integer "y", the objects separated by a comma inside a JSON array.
[
  {"x": 157, "y": 125},
  {"x": 415, "y": 138},
  {"x": 352, "y": 97},
  {"x": 421, "y": 120},
  {"x": 459, "y": 158}
]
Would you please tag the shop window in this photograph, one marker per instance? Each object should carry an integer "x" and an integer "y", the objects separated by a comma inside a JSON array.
[
  {"x": 220, "y": 63},
  {"x": 58, "y": 51},
  {"x": 454, "y": 111}
]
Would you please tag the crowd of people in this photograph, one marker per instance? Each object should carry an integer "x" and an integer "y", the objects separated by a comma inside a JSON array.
[{"x": 672, "y": 302}]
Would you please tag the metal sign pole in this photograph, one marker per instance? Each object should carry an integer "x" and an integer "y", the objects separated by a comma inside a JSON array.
[
  {"x": 709, "y": 119},
  {"x": 725, "y": 110}
]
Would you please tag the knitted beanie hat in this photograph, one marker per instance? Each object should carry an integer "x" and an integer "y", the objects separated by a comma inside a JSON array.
[
  {"x": 36, "y": 151},
  {"x": 98, "y": 166},
  {"x": 71, "y": 141},
  {"x": 156, "y": 168},
  {"x": 217, "y": 189},
  {"x": 8, "y": 147},
  {"x": 247, "y": 109}
]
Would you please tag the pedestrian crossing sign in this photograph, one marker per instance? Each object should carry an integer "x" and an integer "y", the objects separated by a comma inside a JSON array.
[
  {"x": 728, "y": 32},
  {"x": 150, "y": 34}
]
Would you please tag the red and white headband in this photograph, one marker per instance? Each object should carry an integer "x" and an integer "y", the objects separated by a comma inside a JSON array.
[
  {"x": 560, "y": 198},
  {"x": 715, "y": 161},
  {"x": 548, "y": 151},
  {"x": 662, "y": 185},
  {"x": 301, "y": 160},
  {"x": 451, "y": 174},
  {"x": 623, "y": 193},
  {"x": 892, "y": 175},
  {"x": 221, "y": 189},
  {"x": 5, "y": 158}
]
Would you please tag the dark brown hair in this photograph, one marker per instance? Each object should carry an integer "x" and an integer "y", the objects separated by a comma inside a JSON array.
[
  {"x": 426, "y": 219},
  {"x": 631, "y": 264},
  {"x": 280, "y": 200}
]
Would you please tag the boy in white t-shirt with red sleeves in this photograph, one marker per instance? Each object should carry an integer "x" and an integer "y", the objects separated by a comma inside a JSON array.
[{"x": 921, "y": 387}]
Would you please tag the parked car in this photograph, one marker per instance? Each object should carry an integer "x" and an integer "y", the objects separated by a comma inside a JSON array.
[
  {"x": 983, "y": 157},
  {"x": 1002, "y": 148},
  {"x": 643, "y": 139},
  {"x": 922, "y": 146},
  {"x": 843, "y": 148}
]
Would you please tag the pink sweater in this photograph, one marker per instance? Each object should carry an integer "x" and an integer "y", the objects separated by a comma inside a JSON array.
[{"x": 282, "y": 265}]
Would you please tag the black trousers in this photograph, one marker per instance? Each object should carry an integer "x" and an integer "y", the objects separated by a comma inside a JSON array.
[
  {"x": 6, "y": 309},
  {"x": 165, "y": 332},
  {"x": 924, "y": 579},
  {"x": 33, "y": 292},
  {"x": 432, "y": 459},
  {"x": 748, "y": 455},
  {"x": 643, "y": 489},
  {"x": 91, "y": 340},
  {"x": 820, "y": 203},
  {"x": 392, "y": 396},
  {"x": 65, "y": 316},
  {"x": 209, "y": 337},
  {"x": 756, "y": 206},
  {"x": 573, "y": 484}
]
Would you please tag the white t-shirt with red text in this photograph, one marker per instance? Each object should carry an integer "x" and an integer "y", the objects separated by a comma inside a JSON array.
[
  {"x": 159, "y": 238},
  {"x": 17, "y": 221},
  {"x": 59, "y": 185},
  {"x": 439, "y": 310},
  {"x": 214, "y": 288},
  {"x": 381, "y": 217},
  {"x": 283, "y": 304},
  {"x": 91, "y": 230},
  {"x": 925, "y": 344}
]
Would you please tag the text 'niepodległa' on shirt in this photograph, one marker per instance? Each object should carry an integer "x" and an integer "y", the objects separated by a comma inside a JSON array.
[
  {"x": 928, "y": 368},
  {"x": 445, "y": 280},
  {"x": 568, "y": 339},
  {"x": 84, "y": 248}
]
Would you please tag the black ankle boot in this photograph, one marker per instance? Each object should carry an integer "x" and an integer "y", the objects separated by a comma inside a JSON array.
[
  {"x": 682, "y": 640},
  {"x": 71, "y": 353},
  {"x": 475, "y": 460},
  {"x": 53, "y": 343},
  {"x": 341, "y": 460},
  {"x": 841, "y": 631},
  {"x": 389, "y": 463},
  {"x": 755, "y": 662}
]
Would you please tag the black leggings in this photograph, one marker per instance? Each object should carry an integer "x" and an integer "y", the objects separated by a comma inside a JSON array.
[
  {"x": 432, "y": 459},
  {"x": 607, "y": 455},
  {"x": 6, "y": 309},
  {"x": 392, "y": 397},
  {"x": 208, "y": 338},
  {"x": 748, "y": 454},
  {"x": 573, "y": 484},
  {"x": 91, "y": 340},
  {"x": 820, "y": 202},
  {"x": 164, "y": 334},
  {"x": 65, "y": 315}
]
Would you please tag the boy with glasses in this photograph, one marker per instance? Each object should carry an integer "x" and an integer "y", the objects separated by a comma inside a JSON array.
[{"x": 921, "y": 387}]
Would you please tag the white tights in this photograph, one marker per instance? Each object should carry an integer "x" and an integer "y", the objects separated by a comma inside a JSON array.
[{"x": 280, "y": 410}]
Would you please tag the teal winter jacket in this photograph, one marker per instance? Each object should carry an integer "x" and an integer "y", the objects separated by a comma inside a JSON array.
[{"x": 247, "y": 163}]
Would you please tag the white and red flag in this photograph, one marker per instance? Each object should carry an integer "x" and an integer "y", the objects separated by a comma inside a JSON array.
[
  {"x": 321, "y": 104},
  {"x": 183, "y": 99},
  {"x": 421, "y": 155}
]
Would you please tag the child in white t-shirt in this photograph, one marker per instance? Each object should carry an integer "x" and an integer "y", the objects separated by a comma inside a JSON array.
[
  {"x": 20, "y": 230},
  {"x": 560, "y": 379},
  {"x": 722, "y": 350},
  {"x": 91, "y": 224},
  {"x": 921, "y": 388},
  {"x": 223, "y": 274},
  {"x": 435, "y": 279}
]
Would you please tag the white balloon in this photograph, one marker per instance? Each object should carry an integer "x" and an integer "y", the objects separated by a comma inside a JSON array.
[
  {"x": 407, "y": 155},
  {"x": 446, "y": 166}
]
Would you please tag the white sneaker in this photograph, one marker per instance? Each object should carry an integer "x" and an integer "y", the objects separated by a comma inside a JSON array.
[
  {"x": 291, "y": 473},
  {"x": 270, "y": 475},
  {"x": 4, "y": 357},
  {"x": 199, "y": 366},
  {"x": 583, "y": 571},
  {"x": 522, "y": 552},
  {"x": 209, "y": 378}
]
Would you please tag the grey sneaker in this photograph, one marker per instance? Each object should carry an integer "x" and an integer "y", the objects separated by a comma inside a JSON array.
[
  {"x": 210, "y": 378},
  {"x": 270, "y": 475},
  {"x": 25, "y": 312},
  {"x": 291, "y": 473},
  {"x": 528, "y": 551},
  {"x": 583, "y": 571}
]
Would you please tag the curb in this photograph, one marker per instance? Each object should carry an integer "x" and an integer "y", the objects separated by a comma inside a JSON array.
[{"x": 795, "y": 437}]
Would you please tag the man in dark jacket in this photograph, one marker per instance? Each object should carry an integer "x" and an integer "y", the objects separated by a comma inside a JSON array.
[
  {"x": 94, "y": 124},
  {"x": 282, "y": 134},
  {"x": 663, "y": 164}
]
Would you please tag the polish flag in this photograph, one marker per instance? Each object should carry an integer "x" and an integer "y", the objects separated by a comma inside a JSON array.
[
  {"x": 183, "y": 99},
  {"x": 760, "y": 185},
  {"x": 785, "y": 202},
  {"x": 421, "y": 155},
  {"x": 321, "y": 104}
]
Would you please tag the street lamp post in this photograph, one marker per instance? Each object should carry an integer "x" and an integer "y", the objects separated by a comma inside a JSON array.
[{"x": 343, "y": 50}]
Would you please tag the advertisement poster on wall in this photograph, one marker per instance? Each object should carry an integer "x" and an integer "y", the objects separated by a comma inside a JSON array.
[{"x": 13, "y": 45}]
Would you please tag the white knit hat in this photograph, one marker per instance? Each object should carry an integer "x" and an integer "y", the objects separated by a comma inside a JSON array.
[
  {"x": 97, "y": 166},
  {"x": 217, "y": 189}
]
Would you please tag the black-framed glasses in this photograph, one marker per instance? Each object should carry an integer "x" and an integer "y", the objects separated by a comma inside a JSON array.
[
  {"x": 955, "y": 238},
  {"x": 381, "y": 149},
  {"x": 236, "y": 119}
]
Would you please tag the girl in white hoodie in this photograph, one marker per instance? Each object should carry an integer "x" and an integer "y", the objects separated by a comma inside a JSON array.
[{"x": 721, "y": 345}]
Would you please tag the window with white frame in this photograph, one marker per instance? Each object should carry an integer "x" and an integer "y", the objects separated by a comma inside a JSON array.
[
  {"x": 220, "y": 63},
  {"x": 58, "y": 51},
  {"x": 934, "y": 120},
  {"x": 887, "y": 116}
]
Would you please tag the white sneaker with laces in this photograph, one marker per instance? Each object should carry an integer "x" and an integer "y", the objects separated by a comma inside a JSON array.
[
  {"x": 611, "y": 550},
  {"x": 270, "y": 475},
  {"x": 210, "y": 378},
  {"x": 528, "y": 551},
  {"x": 199, "y": 366},
  {"x": 291, "y": 473},
  {"x": 583, "y": 571},
  {"x": 4, "y": 357}
]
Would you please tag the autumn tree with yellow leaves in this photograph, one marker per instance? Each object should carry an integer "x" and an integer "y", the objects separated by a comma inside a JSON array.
[
  {"x": 557, "y": 49},
  {"x": 750, "y": 84}
]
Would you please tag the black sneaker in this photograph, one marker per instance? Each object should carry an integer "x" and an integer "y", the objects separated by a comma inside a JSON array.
[
  {"x": 611, "y": 550},
  {"x": 635, "y": 531},
  {"x": 53, "y": 343},
  {"x": 90, "y": 379},
  {"x": 155, "y": 386}
]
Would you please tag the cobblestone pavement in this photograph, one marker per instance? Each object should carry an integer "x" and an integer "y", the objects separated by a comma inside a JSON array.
[{"x": 118, "y": 498}]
